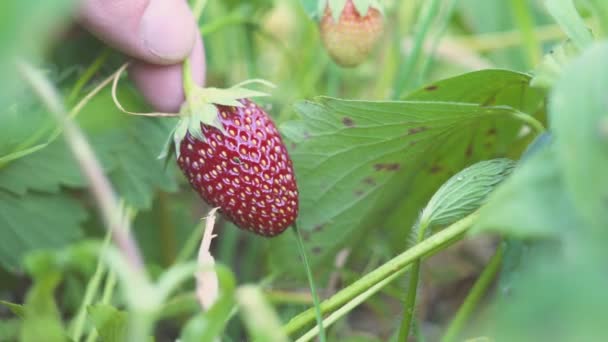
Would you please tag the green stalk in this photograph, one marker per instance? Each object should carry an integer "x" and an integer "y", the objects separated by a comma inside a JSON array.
[
  {"x": 474, "y": 296},
  {"x": 409, "y": 307},
  {"x": 396, "y": 265},
  {"x": 311, "y": 281},
  {"x": 525, "y": 23},
  {"x": 348, "y": 307},
  {"x": 87, "y": 75},
  {"x": 530, "y": 121},
  {"x": 90, "y": 292},
  {"x": 404, "y": 74}
]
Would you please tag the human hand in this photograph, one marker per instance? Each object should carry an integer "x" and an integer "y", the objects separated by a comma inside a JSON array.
[{"x": 158, "y": 34}]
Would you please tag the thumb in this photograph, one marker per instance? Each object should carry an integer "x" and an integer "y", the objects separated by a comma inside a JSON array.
[{"x": 155, "y": 31}]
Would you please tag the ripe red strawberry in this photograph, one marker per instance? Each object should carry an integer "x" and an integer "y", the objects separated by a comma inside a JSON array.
[
  {"x": 244, "y": 169},
  {"x": 351, "y": 38}
]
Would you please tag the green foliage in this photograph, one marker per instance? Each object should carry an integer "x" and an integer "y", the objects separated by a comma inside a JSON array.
[
  {"x": 35, "y": 221},
  {"x": 525, "y": 204},
  {"x": 110, "y": 323},
  {"x": 355, "y": 159},
  {"x": 464, "y": 192},
  {"x": 365, "y": 166},
  {"x": 582, "y": 140}
]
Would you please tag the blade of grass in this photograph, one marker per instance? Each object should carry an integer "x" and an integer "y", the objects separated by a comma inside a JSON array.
[
  {"x": 311, "y": 282},
  {"x": 428, "y": 13},
  {"x": 525, "y": 23},
  {"x": 477, "y": 291}
]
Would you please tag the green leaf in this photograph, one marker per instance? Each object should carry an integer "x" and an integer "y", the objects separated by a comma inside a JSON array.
[
  {"x": 35, "y": 221},
  {"x": 525, "y": 205},
  {"x": 111, "y": 324},
  {"x": 9, "y": 329},
  {"x": 568, "y": 18},
  {"x": 209, "y": 325},
  {"x": 550, "y": 291},
  {"x": 464, "y": 192},
  {"x": 137, "y": 173},
  {"x": 42, "y": 320},
  {"x": 45, "y": 171},
  {"x": 17, "y": 309},
  {"x": 368, "y": 166},
  {"x": 579, "y": 118},
  {"x": 129, "y": 145}
]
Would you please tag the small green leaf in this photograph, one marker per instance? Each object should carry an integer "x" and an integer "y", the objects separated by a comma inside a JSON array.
[
  {"x": 111, "y": 324},
  {"x": 464, "y": 192},
  {"x": 180, "y": 134},
  {"x": 42, "y": 321},
  {"x": 579, "y": 118},
  {"x": 17, "y": 309},
  {"x": 260, "y": 318},
  {"x": 525, "y": 205},
  {"x": 210, "y": 324}
]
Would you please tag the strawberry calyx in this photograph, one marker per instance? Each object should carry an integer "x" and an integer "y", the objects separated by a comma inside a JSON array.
[
  {"x": 336, "y": 7},
  {"x": 200, "y": 107}
]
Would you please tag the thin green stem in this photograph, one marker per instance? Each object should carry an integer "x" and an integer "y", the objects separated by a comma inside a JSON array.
[
  {"x": 525, "y": 23},
  {"x": 349, "y": 306},
  {"x": 89, "y": 294},
  {"x": 311, "y": 281},
  {"x": 530, "y": 121},
  {"x": 409, "y": 307},
  {"x": 404, "y": 74},
  {"x": 477, "y": 291},
  {"x": 106, "y": 297},
  {"x": 87, "y": 75},
  {"x": 435, "y": 242},
  {"x": 443, "y": 26}
]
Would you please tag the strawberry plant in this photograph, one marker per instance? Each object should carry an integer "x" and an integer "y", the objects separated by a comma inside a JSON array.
[{"x": 441, "y": 165}]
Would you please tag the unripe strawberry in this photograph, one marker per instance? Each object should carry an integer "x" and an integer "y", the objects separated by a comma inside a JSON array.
[
  {"x": 350, "y": 39},
  {"x": 243, "y": 168}
]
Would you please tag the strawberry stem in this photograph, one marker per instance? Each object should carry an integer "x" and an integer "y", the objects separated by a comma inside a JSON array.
[{"x": 311, "y": 281}]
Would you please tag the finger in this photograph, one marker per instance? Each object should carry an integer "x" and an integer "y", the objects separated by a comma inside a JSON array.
[
  {"x": 161, "y": 85},
  {"x": 156, "y": 31}
]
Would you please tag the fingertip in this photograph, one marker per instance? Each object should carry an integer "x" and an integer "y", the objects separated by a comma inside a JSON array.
[
  {"x": 161, "y": 85},
  {"x": 168, "y": 30}
]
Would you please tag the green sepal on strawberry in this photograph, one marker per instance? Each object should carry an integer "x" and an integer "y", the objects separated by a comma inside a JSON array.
[{"x": 350, "y": 29}]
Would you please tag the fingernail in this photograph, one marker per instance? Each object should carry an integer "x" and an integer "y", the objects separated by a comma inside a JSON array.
[{"x": 167, "y": 29}]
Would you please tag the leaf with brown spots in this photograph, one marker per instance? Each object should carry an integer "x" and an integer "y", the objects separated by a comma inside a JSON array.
[{"x": 335, "y": 164}]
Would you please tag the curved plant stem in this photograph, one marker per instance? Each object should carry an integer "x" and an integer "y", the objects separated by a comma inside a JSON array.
[
  {"x": 530, "y": 121},
  {"x": 474, "y": 296},
  {"x": 398, "y": 264},
  {"x": 409, "y": 307},
  {"x": 348, "y": 307},
  {"x": 311, "y": 281}
]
